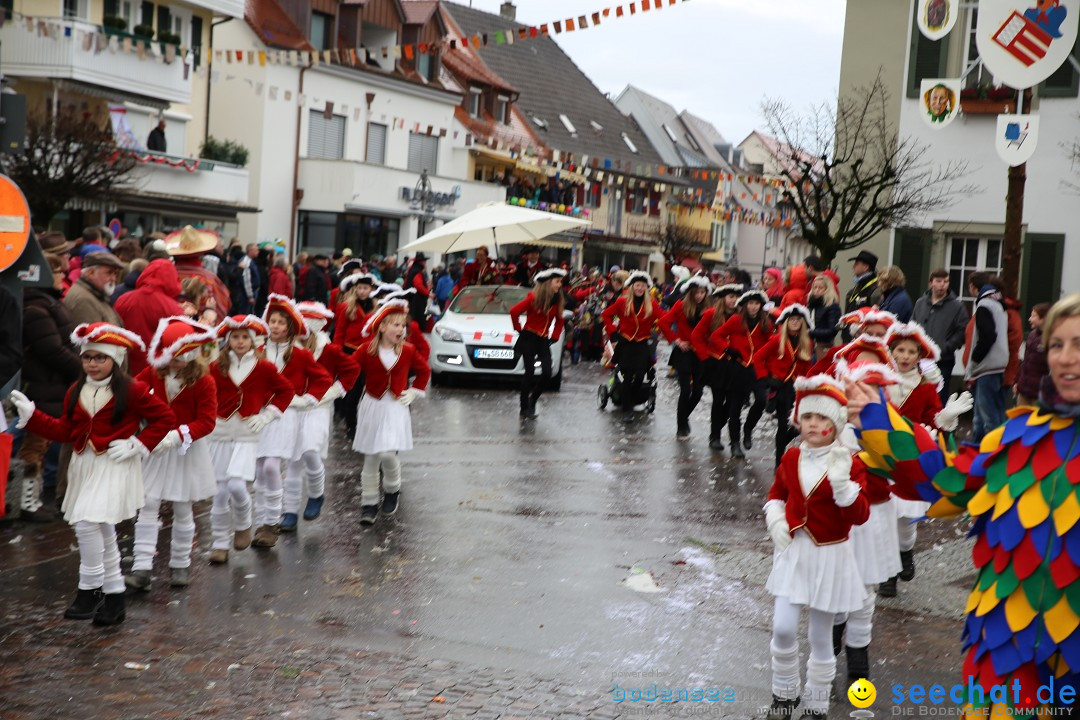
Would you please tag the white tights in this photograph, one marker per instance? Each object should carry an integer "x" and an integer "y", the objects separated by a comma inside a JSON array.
[
  {"x": 820, "y": 666},
  {"x": 146, "y": 534},
  {"x": 223, "y": 518},
  {"x": 99, "y": 558},
  {"x": 311, "y": 465},
  {"x": 268, "y": 491},
  {"x": 369, "y": 476},
  {"x": 908, "y": 530},
  {"x": 860, "y": 623}
]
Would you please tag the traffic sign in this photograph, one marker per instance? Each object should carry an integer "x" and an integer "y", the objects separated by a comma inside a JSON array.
[{"x": 14, "y": 222}]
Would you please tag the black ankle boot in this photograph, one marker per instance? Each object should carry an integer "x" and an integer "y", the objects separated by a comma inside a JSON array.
[
  {"x": 838, "y": 638},
  {"x": 111, "y": 611},
  {"x": 85, "y": 605},
  {"x": 858, "y": 663},
  {"x": 782, "y": 709},
  {"x": 887, "y": 588},
  {"x": 907, "y": 561}
]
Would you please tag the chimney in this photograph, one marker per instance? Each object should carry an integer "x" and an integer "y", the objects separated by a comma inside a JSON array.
[{"x": 508, "y": 11}]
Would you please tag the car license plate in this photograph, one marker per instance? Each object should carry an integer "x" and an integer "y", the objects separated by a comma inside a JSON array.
[{"x": 494, "y": 354}]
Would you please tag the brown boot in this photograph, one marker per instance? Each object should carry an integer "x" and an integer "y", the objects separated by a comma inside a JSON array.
[
  {"x": 219, "y": 557},
  {"x": 266, "y": 536},
  {"x": 242, "y": 539}
]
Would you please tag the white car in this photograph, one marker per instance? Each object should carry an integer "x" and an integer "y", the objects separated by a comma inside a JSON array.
[{"x": 475, "y": 336}]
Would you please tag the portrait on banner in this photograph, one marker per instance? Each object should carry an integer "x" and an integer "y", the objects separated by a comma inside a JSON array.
[
  {"x": 936, "y": 18},
  {"x": 940, "y": 100}
]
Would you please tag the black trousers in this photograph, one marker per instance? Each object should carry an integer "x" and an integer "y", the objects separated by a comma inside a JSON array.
[
  {"x": 718, "y": 378},
  {"x": 530, "y": 347},
  {"x": 691, "y": 374},
  {"x": 348, "y": 406},
  {"x": 633, "y": 358},
  {"x": 743, "y": 385},
  {"x": 785, "y": 433}
]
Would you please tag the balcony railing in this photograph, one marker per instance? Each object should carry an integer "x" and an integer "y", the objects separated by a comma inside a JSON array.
[{"x": 78, "y": 50}]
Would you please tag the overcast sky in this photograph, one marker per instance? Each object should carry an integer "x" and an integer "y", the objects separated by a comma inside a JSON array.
[{"x": 715, "y": 58}]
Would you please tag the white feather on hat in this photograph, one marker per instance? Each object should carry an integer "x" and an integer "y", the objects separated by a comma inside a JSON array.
[
  {"x": 159, "y": 357},
  {"x": 386, "y": 308},
  {"x": 88, "y": 333},
  {"x": 638, "y": 276},
  {"x": 698, "y": 281},
  {"x": 752, "y": 294},
  {"x": 791, "y": 310},
  {"x": 913, "y": 331},
  {"x": 350, "y": 280},
  {"x": 547, "y": 275},
  {"x": 313, "y": 309},
  {"x": 252, "y": 323},
  {"x": 729, "y": 289}
]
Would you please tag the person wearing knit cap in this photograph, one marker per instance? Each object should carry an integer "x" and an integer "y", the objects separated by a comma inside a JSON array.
[
  {"x": 815, "y": 500},
  {"x": 251, "y": 395},
  {"x": 112, "y": 422},
  {"x": 629, "y": 323},
  {"x": 282, "y": 440},
  {"x": 543, "y": 311},
  {"x": 684, "y": 316},
  {"x": 710, "y": 348},
  {"x": 180, "y": 470},
  {"x": 784, "y": 359}
]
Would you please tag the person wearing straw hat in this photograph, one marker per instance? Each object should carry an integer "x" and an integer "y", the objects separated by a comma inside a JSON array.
[
  {"x": 180, "y": 470},
  {"x": 187, "y": 247},
  {"x": 543, "y": 311},
  {"x": 112, "y": 422}
]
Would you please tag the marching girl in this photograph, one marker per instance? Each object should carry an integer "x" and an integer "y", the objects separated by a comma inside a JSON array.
[
  {"x": 413, "y": 335},
  {"x": 354, "y": 306},
  {"x": 313, "y": 442},
  {"x": 716, "y": 365},
  {"x": 251, "y": 395},
  {"x": 685, "y": 315},
  {"x": 917, "y": 398},
  {"x": 180, "y": 469},
  {"x": 629, "y": 322},
  {"x": 812, "y": 505},
  {"x": 785, "y": 357},
  {"x": 861, "y": 323},
  {"x": 543, "y": 311},
  {"x": 384, "y": 425},
  {"x": 744, "y": 334},
  {"x": 282, "y": 440},
  {"x": 103, "y": 413}
]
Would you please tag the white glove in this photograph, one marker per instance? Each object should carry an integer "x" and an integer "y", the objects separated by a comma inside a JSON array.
[
  {"x": 337, "y": 390},
  {"x": 777, "y": 524},
  {"x": 121, "y": 450},
  {"x": 949, "y": 417},
  {"x": 256, "y": 423},
  {"x": 409, "y": 396},
  {"x": 171, "y": 440},
  {"x": 24, "y": 406},
  {"x": 839, "y": 471},
  {"x": 931, "y": 372},
  {"x": 303, "y": 402}
]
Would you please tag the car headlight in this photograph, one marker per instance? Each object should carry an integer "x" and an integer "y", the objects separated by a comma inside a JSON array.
[{"x": 448, "y": 334}]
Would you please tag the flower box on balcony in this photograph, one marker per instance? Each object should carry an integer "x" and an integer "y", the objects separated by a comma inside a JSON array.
[{"x": 975, "y": 106}]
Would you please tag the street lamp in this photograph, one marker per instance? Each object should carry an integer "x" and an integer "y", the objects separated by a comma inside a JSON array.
[{"x": 423, "y": 199}]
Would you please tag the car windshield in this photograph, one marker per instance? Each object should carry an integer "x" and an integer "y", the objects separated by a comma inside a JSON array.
[{"x": 487, "y": 299}]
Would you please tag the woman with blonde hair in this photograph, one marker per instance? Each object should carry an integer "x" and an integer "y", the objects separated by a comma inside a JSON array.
[
  {"x": 629, "y": 323},
  {"x": 543, "y": 311},
  {"x": 785, "y": 357},
  {"x": 824, "y": 304}
]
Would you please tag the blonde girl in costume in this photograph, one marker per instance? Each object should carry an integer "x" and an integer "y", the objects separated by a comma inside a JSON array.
[{"x": 103, "y": 413}]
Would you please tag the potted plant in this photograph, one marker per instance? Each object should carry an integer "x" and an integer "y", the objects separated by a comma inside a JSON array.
[
  {"x": 986, "y": 99},
  {"x": 143, "y": 32},
  {"x": 113, "y": 25}
]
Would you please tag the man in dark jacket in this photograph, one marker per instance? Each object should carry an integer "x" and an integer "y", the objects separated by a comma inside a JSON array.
[
  {"x": 944, "y": 318},
  {"x": 317, "y": 280},
  {"x": 865, "y": 292}
]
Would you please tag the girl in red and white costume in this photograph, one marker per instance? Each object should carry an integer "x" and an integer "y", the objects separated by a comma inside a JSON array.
[
  {"x": 179, "y": 470},
  {"x": 684, "y": 316},
  {"x": 384, "y": 425},
  {"x": 814, "y": 501},
  {"x": 313, "y": 443},
  {"x": 717, "y": 367},
  {"x": 864, "y": 322},
  {"x": 103, "y": 413},
  {"x": 784, "y": 358},
  {"x": 282, "y": 440},
  {"x": 543, "y": 311},
  {"x": 350, "y": 315},
  {"x": 629, "y": 323},
  {"x": 251, "y": 395},
  {"x": 413, "y": 335},
  {"x": 916, "y": 396}
]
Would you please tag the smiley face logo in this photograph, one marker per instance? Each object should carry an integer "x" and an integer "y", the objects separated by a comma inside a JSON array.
[{"x": 862, "y": 693}]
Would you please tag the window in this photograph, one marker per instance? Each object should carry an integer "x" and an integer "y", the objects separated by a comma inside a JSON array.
[
  {"x": 594, "y": 195},
  {"x": 321, "y": 24},
  {"x": 971, "y": 53},
  {"x": 164, "y": 18},
  {"x": 968, "y": 255},
  {"x": 928, "y": 57},
  {"x": 629, "y": 143},
  {"x": 326, "y": 138},
  {"x": 636, "y": 201},
  {"x": 146, "y": 13},
  {"x": 539, "y": 122},
  {"x": 568, "y": 125},
  {"x": 318, "y": 231},
  {"x": 474, "y": 97},
  {"x": 425, "y": 66},
  {"x": 502, "y": 109},
  {"x": 376, "y": 143},
  {"x": 1065, "y": 82},
  {"x": 423, "y": 153},
  {"x": 670, "y": 133},
  {"x": 596, "y": 126},
  {"x": 196, "y": 39},
  {"x": 75, "y": 9}
]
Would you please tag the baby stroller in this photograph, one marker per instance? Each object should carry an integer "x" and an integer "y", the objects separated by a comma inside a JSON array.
[{"x": 612, "y": 390}]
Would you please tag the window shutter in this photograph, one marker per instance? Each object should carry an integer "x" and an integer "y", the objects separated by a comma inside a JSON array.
[
  {"x": 928, "y": 57},
  {"x": 376, "y": 144},
  {"x": 423, "y": 153},
  {"x": 326, "y": 138},
  {"x": 630, "y": 201},
  {"x": 654, "y": 203},
  {"x": 1065, "y": 82}
]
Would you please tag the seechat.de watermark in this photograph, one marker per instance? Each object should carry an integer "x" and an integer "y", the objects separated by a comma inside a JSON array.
[{"x": 940, "y": 699}]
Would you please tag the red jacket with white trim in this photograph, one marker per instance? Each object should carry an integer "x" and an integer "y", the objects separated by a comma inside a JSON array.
[
  {"x": 341, "y": 367},
  {"x": 816, "y": 512},
  {"x": 634, "y": 326},
  {"x": 263, "y": 386},
  {"x": 707, "y": 343},
  {"x": 306, "y": 376},
  {"x": 745, "y": 343},
  {"x": 922, "y": 404},
  {"x": 537, "y": 322},
  {"x": 96, "y": 432},
  {"x": 677, "y": 316},
  {"x": 769, "y": 363},
  {"x": 194, "y": 406},
  {"x": 378, "y": 379},
  {"x": 347, "y": 333}
]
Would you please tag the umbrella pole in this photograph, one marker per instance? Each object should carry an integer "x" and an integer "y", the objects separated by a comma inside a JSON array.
[{"x": 495, "y": 242}]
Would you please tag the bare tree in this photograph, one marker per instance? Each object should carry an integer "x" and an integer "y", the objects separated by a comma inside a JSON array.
[
  {"x": 67, "y": 156},
  {"x": 678, "y": 242},
  {"x": 852, "y": 176}
]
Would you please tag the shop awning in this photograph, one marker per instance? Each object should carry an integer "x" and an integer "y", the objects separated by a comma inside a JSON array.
[
  {"x": 180, "y": 204},
  {"x": 714, "y": 256},
  {"x": 501, "y": 158}
]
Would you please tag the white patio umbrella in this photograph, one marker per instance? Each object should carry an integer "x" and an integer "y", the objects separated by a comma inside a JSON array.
[{"x": 493, "y": 224}]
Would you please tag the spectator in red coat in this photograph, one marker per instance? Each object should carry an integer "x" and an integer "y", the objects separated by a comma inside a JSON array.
[
  {"x": 153, "y": 299},
  {"x": 280, "y": 282}
]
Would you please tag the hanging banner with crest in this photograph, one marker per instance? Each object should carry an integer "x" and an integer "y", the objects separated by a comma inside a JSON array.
[{"x": 1023, "y": 42}]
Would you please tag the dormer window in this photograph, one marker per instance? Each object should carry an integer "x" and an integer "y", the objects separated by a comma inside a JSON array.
[
  {"x": 474, "y": 98},
  {"x": 502, "y": 109},
  {"x": 568, "y": 125},
  {"x": 629, "y": 143},
  {"x": 539, "y": 122},
  {"x": 670, "y": 133},
  {"x": 596, "y": 126},
  {"x": 321, "y": 24}
]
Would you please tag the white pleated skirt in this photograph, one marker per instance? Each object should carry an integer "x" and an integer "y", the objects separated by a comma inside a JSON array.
[
  {"x": 913, "y": 509},
  {"x": 314, "y": 431},
  {"x": 876, "y": 544},
  {"x": 168, "y": 475},
  {"x": 821, "y": 577},
  {"x": 278, "y": 439},
  {"x": 233, "y": 458},
  {"x": 382, "y": 425},
  {"x": 101, "y": 490}
]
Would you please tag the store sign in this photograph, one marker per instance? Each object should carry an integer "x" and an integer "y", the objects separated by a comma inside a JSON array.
[{"x": 436, "y": 199}]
